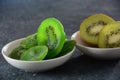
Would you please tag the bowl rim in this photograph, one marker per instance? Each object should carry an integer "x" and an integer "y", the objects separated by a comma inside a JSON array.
[
  {"x": 42, "y": 61},
  {"x": 78, "y": 32}
]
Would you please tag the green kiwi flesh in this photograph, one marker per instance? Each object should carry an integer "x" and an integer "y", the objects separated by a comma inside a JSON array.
[{"x": 51, "y": 33}]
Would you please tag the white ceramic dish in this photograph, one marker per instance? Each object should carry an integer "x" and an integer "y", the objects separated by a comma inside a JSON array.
[
  {"x": 32, "y": 66},
  {"x": 99, "y": 53}
]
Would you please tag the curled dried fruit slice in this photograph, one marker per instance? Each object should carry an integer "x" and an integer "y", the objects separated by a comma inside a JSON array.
[
  {"x": 36, "y": 53},
  {"x": 29, "y": 41}
]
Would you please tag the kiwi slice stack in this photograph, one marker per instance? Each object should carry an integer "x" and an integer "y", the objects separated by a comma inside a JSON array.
[
  {"x": 90, "y": 27},
  {"x": 101, "y": 30}
]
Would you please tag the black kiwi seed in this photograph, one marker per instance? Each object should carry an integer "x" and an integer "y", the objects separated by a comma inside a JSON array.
[
  {"x": 88, "y": 29},
  {"x": 100, "y": 22},
  {"x": 50, "y": 32},
  {"x": 117, "y": 44}
]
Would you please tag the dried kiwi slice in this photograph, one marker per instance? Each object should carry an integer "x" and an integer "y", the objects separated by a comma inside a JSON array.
[
  {"x": 68, "y": 46},
  {"x": 109, "y": 36},
  {"x": 36, "y": 53},
  {"x": 29, "y": 41},
  {"x": 16, "y": 53},
  {"x": 90, "y": 27},
  {"x": 51, "y": 33}
]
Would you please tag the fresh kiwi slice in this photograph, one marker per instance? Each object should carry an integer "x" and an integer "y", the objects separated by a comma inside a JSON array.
[
  {"x": 51, "y": 33},
  {"x": 90, "y": 27},
  {"x": 36, "y": 53},
  {"x": 109, "y": 36}
]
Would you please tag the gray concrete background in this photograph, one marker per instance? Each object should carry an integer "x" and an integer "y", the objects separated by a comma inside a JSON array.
[{"x": 19, "y": 18}]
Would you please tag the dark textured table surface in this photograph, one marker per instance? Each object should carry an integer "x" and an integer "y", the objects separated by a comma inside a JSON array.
[{"x": 19, "y": 18}]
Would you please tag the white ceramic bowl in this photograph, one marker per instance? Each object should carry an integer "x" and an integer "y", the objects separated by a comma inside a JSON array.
[
  {"x": 32, "y": 66},
  {"x": 99, "y": 53}
]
